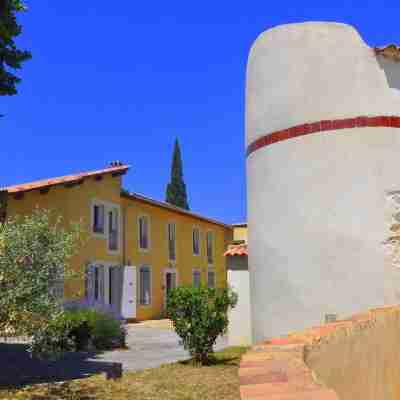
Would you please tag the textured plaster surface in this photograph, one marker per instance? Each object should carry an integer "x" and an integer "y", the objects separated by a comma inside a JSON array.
[
  {"x": 391, "y": 246},
  {"x": 239, "y": 330},
  {"x": 317, "y": 203}
]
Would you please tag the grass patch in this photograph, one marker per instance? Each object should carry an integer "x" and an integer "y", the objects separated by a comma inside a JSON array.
[{"x": 178, "y": 381}]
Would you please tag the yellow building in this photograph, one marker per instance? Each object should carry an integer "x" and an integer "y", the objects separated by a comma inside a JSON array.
[
  {"x": 136, "y": 249},
  {"x": 240, "y": 232}
]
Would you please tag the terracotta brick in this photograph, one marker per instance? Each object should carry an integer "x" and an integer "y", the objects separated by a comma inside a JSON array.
[
  {"x": 376, "y": 121},
  {"x": 285, "y": 340},
  {"x": 263, "y": 376},
  {"x": 306, "y": 129},
  {"x": 395, "y": 122},
  {"x": 323, "y": 394},
  {"x": 337, "y": 124},
  {"x": 350, "y": 122},
  {"x": 386, "y": 121},
  {"x": 362, "y": 121},
  {"x": 325, "y": 125},
  {"x": 278, "y": 388},
  {"x": 297, "y": 130},
  {"x": 314, "y": 127}
]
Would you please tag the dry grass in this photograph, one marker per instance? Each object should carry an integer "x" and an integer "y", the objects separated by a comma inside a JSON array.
[{"x": 178, "y": 381}]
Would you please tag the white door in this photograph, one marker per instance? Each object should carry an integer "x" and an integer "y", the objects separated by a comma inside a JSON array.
[{"x": 128, "y": 301}]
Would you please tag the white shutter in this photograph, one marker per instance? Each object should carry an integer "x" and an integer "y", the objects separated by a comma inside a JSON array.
[{"x": 128, "y": 301}]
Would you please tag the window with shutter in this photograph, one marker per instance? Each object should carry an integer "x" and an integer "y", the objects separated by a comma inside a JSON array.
[
  {"x": 172, "y": 241},
  {"x": 211, "y": 278},
  {"x": 196, "y": 241},
  {"x": 96, "y": 284},
  {"x": 210, "y": 247},
  {"x": 113, "y": 229},
  {"x": 145, "y": 285},
  {"x": 143, "y": 232},
  {"x": 196, "y": 278},
  {"x": 98, "y": 218}
]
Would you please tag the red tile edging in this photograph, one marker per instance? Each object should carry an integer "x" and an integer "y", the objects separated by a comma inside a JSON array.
[{"x": 324, "y": 126}]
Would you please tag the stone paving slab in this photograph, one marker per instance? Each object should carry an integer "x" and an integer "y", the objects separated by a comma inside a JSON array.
[{"x": 150, "y": 347}]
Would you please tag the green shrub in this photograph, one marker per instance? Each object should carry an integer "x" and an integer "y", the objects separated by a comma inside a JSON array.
[
  {"x": 77, "y": 330},
  {"x": 199, "y": 316},
  {"x": 107, "y": 332},
  {"x": 54, "y": 339}
]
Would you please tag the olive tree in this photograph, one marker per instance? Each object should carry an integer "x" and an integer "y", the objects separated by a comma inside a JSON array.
[
  {"x": 199, "y": 316},
  {"x": 34, "y": 252}
]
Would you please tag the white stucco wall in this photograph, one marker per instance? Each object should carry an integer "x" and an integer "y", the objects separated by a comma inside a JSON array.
[
  {"x": 317, "y": 203},
  {"x": 239, "y": 330}
]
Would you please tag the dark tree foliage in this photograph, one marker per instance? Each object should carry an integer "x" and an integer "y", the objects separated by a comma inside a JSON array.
[
  {"x": 176, "y": 189},
  {"x": 11, "y": 57}
]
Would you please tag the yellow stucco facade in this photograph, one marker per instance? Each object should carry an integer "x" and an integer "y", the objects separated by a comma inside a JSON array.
[
  {"x": 240, "y": 232},
  {"x": 75, "y": 202}
]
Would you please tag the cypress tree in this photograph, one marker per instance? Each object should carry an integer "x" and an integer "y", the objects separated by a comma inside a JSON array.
[
  {"x": 176, "y": 189},
  {"x": 10, "y": 56}
]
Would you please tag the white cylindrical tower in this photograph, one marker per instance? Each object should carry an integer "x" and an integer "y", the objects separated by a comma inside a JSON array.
[{"x": 323, "y": 161}]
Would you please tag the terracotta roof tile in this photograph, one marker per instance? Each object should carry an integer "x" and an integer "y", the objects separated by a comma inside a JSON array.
[
  {"x": 25, "y": 187},
  {"x": 390, "y": 51},
  {"x": 236, "y": 250}
]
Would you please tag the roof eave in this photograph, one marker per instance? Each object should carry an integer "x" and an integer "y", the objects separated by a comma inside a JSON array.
[{"x": 170, "y": 207}]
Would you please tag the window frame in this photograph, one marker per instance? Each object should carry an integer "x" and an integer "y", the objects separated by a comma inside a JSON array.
[
  {"x": 96, "y": 283},
  {"x": 98, "y": 203},
  {"x": 211, "y": 270},
  {"x": 172, "y": 261},
  {"x": 106, "y": 236},
  {"x": 212, "y": 247},
  {"x": 104, "y": 285},
  {"x": 144, "y": 249},
  {"x": 139, "y": 302},
  {"x": 196, "y": 271},
  {"x": 196, "y": 228},
  {"x": 111, "y": 209}
]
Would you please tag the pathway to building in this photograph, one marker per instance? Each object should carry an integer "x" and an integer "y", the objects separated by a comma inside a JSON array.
[{"x": 150, "y": 344}]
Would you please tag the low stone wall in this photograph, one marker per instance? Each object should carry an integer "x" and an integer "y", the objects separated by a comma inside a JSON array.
[{"x": 357, "y": 358}]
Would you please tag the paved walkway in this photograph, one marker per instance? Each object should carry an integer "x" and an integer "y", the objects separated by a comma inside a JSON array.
[{"x": 151, "y": 344}]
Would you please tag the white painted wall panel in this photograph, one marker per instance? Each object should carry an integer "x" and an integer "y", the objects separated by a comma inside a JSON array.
[{"x": 239, "y": 331}]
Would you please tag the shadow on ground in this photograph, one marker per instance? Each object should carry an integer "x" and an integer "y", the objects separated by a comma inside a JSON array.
[{"x": 17, "y": 368}]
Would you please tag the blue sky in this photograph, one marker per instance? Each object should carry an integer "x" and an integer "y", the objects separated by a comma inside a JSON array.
[{"x": 121, "y": 82}]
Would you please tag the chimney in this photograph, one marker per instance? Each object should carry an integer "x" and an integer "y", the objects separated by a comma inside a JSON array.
[{"x": 116, "y": 163}]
